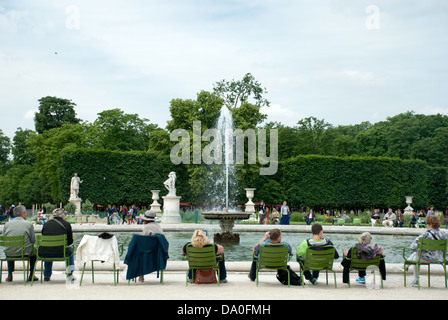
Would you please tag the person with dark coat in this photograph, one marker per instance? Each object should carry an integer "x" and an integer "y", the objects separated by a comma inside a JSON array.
[
  {"x": 55, "y": 227},
  {"x": 365, "y": 250},
  {"x": 146, "y": 254}
]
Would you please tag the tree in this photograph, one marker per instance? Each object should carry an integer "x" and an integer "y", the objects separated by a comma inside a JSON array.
[
  {"x": 311, "y": 130},
  {"x": 53, "y": 113},
  {"x": 234, "y": 93},
  {"x": 5, "y": 147},
  {"x": 120, "y": 131},
  {"x": 20, "y": 150},
  {"x": 47, "y": 148}
]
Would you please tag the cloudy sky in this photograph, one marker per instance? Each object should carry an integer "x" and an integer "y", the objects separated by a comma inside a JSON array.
[{"x": 342, "y": 61}]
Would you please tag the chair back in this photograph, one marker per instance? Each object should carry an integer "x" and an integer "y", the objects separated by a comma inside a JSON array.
[
  {"x": 201, "y": 258},
  {"x": 12, "y": 241},
  {"x": 319, "y": 258},
  {"x": 51, "y": 241},
  {"x": 273, "y": 256},
  {"x": 359, "y": 264},
  {"x": 432, "y": 245}
]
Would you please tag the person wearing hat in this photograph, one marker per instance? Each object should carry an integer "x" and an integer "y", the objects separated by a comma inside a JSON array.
[
  {"x": 150, "y": 228},
  {"x": 150, "y": 224},
  {"x": 54, "y": 227}
]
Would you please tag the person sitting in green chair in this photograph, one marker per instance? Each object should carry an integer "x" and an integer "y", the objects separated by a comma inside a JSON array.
[
  {"x": 273, "y": 236},
  {"x": 199, "y": 240},
  {"x": 434, "y": 233},
  {"x": 316, "y": 241}
]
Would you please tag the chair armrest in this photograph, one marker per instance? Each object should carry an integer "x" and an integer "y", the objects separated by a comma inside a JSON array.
[{"x": 405, "y": 257}]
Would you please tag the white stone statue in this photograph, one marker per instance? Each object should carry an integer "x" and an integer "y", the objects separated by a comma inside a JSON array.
[
  {"x": 74, "y": 187},
  {"x": 170, "y": 184}
]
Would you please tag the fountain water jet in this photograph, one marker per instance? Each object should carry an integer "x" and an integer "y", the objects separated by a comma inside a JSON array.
[{"x": 226, "y": 218}]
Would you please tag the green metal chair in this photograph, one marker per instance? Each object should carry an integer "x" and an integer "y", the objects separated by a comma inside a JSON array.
[
  {"x": 15, "y": 241},
  {"x": 52, "y": 242},
  {"x": 426, "y": 245},
  {"x": 357, "y": 221},
  {"x": 361, "y": 265},
  {"x": 318, "y": 259},
  {"x": 273, "y": 256},
  {"x": 201, "y": 258}
]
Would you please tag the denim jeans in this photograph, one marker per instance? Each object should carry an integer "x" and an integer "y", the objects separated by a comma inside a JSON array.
[
  {"x": 48, "y": 265},
  {"x": 11, "y": 265}
]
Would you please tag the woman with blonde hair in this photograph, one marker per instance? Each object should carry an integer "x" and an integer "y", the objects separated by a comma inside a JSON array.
[{"x": 199, "y": 240}]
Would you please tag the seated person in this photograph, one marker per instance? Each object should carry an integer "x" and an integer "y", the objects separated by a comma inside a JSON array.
[
  {"x": 363, "y": 245},
  {"x": 54, "y": 227},
  {"x": 389, "y": 218},
  {"x": 199, "y": 240},
  {"x": 273, "y": 236},
  {"x": 19, "y": 226},
  {"x": 413, "y": 220},
  {"x": 375, "y": 217},
  {"x": 316, "y": 241},
  {"x": 433, "y": 232},
  {"x": 275, "y": 216}
]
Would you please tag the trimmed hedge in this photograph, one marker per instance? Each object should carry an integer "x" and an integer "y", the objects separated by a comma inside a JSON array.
[
  {"x": 362, "y": 182},
  {"x": 112, "y": 177}
]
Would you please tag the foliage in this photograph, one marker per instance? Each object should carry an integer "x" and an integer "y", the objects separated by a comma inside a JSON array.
[
  {"x": 5, "y": 147},
  {"x": 53, "y": 113},
  {"x": 70, "y": 207},
  {"x": 360, "y": 182},
  {"x": 116, "y": 130},
  {"x": 87, "y": 205},
  {"x": 113, "y": 177}
]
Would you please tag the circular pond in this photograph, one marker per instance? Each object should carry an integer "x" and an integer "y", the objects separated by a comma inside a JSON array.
[{"x": 393, "y": 245}]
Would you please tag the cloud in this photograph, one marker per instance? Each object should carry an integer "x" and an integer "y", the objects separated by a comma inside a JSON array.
[
  {"x": 314, "y": 58},
  {"x": 282, "y": 114},
  {"x": 353, "y": 77}
]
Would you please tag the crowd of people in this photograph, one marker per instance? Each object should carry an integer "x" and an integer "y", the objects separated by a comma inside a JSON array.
[{"x": 58, "y": 226}]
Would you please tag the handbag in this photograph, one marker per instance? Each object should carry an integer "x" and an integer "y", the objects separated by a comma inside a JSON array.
[{"x": 205, "y": 276}]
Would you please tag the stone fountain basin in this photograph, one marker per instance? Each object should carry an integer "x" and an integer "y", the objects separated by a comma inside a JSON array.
[
  {"x": 226, "y": 222},
  {"x": 218, "y": 215}
]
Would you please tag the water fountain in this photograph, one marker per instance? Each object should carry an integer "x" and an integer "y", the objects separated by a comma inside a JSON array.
[{"x": 226, "y": 216}]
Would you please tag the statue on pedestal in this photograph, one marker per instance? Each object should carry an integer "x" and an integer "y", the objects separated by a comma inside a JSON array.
[
  {"x": 74, "y": 187},
  {"x": 170, "y": 184}
]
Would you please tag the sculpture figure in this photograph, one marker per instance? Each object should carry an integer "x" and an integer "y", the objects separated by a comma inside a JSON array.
[
  {"x": 74, "y": 187},
  {"x": 170, "y": 184}
]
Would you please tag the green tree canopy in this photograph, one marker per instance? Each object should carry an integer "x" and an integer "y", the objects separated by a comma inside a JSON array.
[{"x": 53, "y": 113}]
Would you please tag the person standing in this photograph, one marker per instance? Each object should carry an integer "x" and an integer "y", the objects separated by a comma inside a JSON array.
[{"x": 285, "y": 214}]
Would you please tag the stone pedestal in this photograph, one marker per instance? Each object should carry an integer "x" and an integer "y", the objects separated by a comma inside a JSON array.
[
  {"x": 171, "y": 208},
  {"x": 77, "y": 202}
]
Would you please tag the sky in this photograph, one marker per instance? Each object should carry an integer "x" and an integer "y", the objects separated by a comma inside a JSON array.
[{"x": 343, "y": 61}]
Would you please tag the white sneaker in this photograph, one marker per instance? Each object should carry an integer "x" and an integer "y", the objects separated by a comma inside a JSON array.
[
  {"x": 414, "y": 283},
  {"x": 402, "y": 269}
]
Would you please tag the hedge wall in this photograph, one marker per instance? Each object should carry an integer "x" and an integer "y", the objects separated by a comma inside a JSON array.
[
  {"x": 362, "y": 182},
  {"x": 117, "y": 177},
  {"x": 313, "y": 181}
]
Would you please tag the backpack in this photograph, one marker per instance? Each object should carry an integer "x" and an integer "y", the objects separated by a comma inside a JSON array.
[{"x": 282, "y": 276}]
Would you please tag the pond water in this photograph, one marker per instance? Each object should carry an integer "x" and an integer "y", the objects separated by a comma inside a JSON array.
[{"x": 393, "y": 245}]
